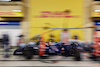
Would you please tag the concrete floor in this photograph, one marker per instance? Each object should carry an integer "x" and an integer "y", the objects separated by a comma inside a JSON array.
[
  {"x": 57, "y": 61},
  {"x": 14, "y": 61},
  {"x": 41, "y": 63}
]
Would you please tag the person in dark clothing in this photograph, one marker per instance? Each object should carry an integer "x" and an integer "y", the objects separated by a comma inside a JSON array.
[
  {"x": 5, "y": 41},
  {"x": 75, "y": 36},
  {"x": 1, "y": 45}
]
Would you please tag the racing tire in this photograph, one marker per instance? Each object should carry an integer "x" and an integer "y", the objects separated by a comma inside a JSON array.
[
  {"x": 28, "y": 55},
  {"x": 77, "y": 55}
]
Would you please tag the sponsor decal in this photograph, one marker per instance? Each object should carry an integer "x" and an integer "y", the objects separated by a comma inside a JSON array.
[{"x": 55, "y": 14}]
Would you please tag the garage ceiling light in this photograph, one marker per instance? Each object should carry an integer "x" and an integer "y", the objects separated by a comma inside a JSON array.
[
  {"x": 97, "y": 10},
  {"x": 5, "y": 0},
  {"x": 17, "y": 10}
]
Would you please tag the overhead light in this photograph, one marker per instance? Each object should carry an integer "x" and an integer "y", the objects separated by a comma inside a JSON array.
[
  {"x": 17, "y": 10},
  {"x": 5, "y": 0},
  {"x": 3, "y": 22},
  {"x": 96, "y": 10}
]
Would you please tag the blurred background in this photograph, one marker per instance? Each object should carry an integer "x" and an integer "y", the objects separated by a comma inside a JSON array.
[{"x": 57, "y": 31}]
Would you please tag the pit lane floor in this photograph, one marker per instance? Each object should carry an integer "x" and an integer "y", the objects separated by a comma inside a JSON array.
[
  {"x": 49, "y": 63},
  {"x": 56, "y": 61}
]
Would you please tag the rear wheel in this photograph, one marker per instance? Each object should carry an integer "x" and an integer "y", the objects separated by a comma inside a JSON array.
[
  {"x": 28, "y": 55},
  {"x": 77, "y": 55}
]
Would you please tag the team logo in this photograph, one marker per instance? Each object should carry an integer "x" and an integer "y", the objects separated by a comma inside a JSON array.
[{"x": 56, "y": 14}]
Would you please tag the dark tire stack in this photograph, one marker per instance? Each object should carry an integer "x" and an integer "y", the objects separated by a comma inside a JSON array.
[{"x": 96, "y": 58}]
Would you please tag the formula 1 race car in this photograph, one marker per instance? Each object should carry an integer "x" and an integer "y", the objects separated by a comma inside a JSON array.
[{"x": 73, "y": 49}]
